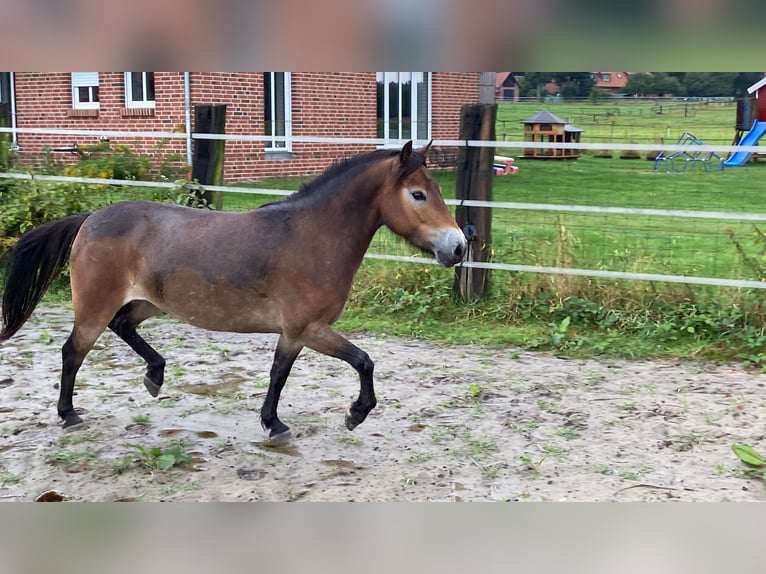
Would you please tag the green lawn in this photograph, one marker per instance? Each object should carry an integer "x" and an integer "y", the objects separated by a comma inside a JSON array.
[{"x": 626, "y": 121}]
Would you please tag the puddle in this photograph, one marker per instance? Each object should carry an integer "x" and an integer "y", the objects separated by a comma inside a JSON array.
[
  {"x": 50, "y": 496},
  {"x": 27, "y": 446},
  {"x": 226, "y": 388},
  {"x": 196, "y": 461},
  {"x": 200, "y": 434},
  {"x": 287, "y": 448},
  {"x": 251, "y": 473}
]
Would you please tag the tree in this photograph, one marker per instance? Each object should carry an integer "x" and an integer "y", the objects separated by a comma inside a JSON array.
[
  {"x": 743, "y": 81},
  {"x": 574, "y": 84},
  {"x": 639, "y": 84},
  {"x": 529, "y": 84}
]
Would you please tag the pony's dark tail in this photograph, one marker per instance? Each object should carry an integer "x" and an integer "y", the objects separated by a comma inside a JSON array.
[{"x": 30, "y": 266}]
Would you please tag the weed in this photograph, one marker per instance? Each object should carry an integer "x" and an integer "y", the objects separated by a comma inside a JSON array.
[
  {"x": 45, "y": 337},
  {"x": 69, "y": 439},
  {"x": 140, "y": 419},
  {"x": 754, "y": 460},
  {"x": 349, "y": 439},
  {"x": 568, "y": 433},
  {"x": 72, "y": 458},
  {"x": 158, "y": 458},
  {"x": 7, "y": 479},
  {"x": 685, "y": 442},
  {"x": 419, "y": 457}
]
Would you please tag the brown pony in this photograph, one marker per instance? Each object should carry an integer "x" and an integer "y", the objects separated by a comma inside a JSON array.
[{"x": 285, "y": 268}]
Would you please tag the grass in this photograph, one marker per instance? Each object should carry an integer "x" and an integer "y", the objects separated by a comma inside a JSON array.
[{"x": 626, "y": 121}]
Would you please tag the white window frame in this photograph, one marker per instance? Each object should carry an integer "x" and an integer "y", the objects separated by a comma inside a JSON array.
[
  {"x": 272, "y": 145},
  {"x": 130, "y": 100},
  {"x": 85, "y": 80},
  {"x": 415, "y": 121}
]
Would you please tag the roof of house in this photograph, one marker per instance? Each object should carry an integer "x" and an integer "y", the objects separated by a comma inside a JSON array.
[
  {"x": 757, "y": 86},
  {"x": 500, "y": 78},
  {"x": 616, "y": 79},
  {"x": 544, "y": 117}
]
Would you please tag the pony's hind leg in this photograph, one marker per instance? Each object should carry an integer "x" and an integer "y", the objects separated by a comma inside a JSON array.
[
  {"x": 124, "y": 325},
  {"x": 284, "y": 357},
  {"x": 323, "y": 339},
  {"x": 73, "y": 353}
]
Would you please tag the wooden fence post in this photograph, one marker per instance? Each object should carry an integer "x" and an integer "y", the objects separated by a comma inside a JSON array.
[
  {"x": 474, "y": 181},
  {"x": 207, "y": 155},
  {"x": 4, "y": 136}
]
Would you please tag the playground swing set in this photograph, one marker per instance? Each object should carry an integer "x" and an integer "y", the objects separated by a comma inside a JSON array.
[{"x": 750, "y": 128}]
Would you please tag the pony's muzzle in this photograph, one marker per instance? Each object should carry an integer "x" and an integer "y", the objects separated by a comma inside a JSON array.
[{"x": 449, "y": 246}]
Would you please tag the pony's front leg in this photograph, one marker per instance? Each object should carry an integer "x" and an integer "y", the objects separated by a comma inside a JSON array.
[
  {"x": 323, "y": 339},
  {"x": 284, "y": 357}
]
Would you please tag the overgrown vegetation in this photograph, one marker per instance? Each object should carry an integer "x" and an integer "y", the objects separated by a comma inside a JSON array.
[{"x": 27, "y": 203}]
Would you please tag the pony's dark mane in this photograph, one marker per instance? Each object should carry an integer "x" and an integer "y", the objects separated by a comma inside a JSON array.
[{"x": 340, "y": 171}]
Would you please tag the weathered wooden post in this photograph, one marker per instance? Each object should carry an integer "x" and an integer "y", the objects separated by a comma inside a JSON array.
[
  {"x": 475, "y": 170},
  {"x": 207, "y": 155},
  {"x": 4, "y": 136}
]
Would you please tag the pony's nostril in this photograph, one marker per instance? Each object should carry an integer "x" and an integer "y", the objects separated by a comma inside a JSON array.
[{"x": 459, "y": 251}]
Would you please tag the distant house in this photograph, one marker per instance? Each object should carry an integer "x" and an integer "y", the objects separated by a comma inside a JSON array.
[
  {"x": 506, "y": 87},
  {"x": 549, "y": 128},
  {"x": 284, "y": 107},
  {"x": 612, "y": 82}
]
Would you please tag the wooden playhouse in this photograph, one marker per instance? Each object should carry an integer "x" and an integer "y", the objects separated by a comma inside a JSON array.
[{"x": 546, "y": 127}]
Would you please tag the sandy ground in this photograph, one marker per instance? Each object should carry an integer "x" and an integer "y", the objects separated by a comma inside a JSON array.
[{"x": 452, "y": 424}]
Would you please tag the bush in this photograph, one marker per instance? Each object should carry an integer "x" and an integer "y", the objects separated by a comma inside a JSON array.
[{"x": 25, "y": 204}]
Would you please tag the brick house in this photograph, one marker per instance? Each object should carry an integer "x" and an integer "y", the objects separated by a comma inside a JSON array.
[{"x": 389, "y": 105}]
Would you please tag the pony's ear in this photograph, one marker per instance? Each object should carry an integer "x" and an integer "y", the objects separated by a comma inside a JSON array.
[
  {"x": 405, "y": 154},
  {"x": 424, "y": 150}
]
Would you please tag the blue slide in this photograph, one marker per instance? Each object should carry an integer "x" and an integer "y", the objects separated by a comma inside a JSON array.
[{"x": 750, "y": 138}]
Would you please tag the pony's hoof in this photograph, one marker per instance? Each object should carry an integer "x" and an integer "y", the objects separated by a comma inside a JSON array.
[
  {"x": 351, "y": 422},
  {"x": 73, "y": 423},
  {"x": 280, "y": 438},
  {"x": 151, "y": 386}
]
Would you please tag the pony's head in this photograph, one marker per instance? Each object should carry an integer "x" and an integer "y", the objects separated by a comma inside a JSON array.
[{"x": 413, "y": 207}]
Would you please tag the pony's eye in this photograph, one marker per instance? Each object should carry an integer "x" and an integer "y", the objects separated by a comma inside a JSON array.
[{"x": 418, "y": 195}]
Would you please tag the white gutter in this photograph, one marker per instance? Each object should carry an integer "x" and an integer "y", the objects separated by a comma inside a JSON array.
[{"x": 187, "y": 111}]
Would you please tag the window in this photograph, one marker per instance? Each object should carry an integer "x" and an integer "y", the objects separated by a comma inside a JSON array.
[
  {"x": 404, "y": 105},
  {"x": 139, "y": 89},
  {"x": 606, "y": 77},
  {"x": 277, "y": 116},
  {"x": 85, "y": 90}
]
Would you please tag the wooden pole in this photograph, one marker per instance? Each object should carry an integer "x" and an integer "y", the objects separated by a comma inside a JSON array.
[
  {"x": 475, "y": 170},
  {"x": 5, "y": 113},
  {"x": 207, "y": 155}
]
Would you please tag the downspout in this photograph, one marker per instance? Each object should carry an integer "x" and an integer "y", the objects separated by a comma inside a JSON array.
[
  {"x": 12, "y": 89},
  {"x": 187, "y": 111}
]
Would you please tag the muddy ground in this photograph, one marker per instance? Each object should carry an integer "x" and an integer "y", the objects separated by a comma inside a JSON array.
[{"x": 452, "y": 424}]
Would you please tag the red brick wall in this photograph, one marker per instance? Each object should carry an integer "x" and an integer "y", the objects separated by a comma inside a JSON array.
[
  {"x": 44, "y": 100},
  {"x": 448, "y": 93},
  {"x": 323, "y": 104}
]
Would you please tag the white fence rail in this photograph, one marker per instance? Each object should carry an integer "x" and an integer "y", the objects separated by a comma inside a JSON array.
[{"x": 600, "y": 273}]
